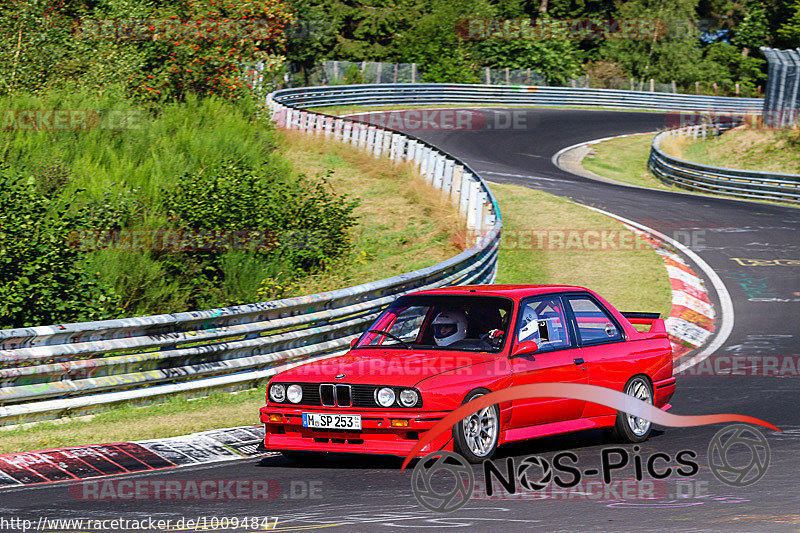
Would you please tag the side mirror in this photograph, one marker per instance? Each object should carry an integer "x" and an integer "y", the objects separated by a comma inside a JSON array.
[
  {"x": 524, "y": 348},
  {"x": 353, "y": 342}
]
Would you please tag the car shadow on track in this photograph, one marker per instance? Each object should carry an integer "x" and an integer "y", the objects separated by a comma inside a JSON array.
[{"x": 589, "y": 440}]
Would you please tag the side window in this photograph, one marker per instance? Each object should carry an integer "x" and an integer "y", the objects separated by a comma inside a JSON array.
[
  {"x": 594, "y": 324},
  {"x": 543, "y": 321}
]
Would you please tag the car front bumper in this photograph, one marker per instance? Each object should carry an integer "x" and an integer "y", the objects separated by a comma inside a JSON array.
[{"x": 376, "y": 436}]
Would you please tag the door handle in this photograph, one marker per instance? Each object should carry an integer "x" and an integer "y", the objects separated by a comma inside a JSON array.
[{"x": 578, "y": 361}]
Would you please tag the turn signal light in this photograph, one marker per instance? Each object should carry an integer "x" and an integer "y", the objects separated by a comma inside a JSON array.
[
  {"x": 399, "y": 422},
  {"x": 276, "y": 418}
]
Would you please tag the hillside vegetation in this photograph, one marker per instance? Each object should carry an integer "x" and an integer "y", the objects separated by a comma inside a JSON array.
[{"x": 744, "y": 148}]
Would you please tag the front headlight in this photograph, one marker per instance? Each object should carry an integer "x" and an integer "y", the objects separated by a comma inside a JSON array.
[
  {"x": 277, "y": 392},
  {"x": 294, "y": 393},
  {"x": 385, "y": 397},
  {"x": 408, "y": 398}
]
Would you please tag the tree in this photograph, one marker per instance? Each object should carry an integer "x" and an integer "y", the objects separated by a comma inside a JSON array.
[
  {"x": 788, "y": 32},
  {"x": 435, "y": 44},
  {"x": 753, "y": 30},
  {"x": 35, "y": 41},
  {"x": 557, "y": 59},
  {"x": 668, "y": 55}
]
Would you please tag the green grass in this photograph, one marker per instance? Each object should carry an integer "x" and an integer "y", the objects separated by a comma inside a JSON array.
[
  {"x": 632, "y": 278},
  {"x": 404, "y": 225},
  {"x": 624, "y": 159},
  {"x": 744, "y": 148}
]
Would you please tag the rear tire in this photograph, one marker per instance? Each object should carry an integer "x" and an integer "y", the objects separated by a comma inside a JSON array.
[
  {"x": 476, "y": 437},
  {"x": 305, "y": 458},
  {"x": 630, "y": 429}
]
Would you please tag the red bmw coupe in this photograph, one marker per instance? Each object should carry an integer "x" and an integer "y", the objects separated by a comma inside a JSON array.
[{"x": 432, "y": 351}]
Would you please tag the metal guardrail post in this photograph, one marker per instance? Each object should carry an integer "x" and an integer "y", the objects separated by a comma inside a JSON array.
[
  {"x": 401, "y": 148},
  {"x": 464, "y": 196},
  {"x": 447, "y": 179},
  {"x": 473, "y": 222},
  {"x": 387, "y": 143},
  {"x": 438, "y": 171},
  {"x": 377, "y": 147},
  {"x": 426, "y": 170},
  {"x": 362, "y": 136},
  {"x": 455, "y": 187},
  {"x": 290, "y": 118},
  {"x": 411, "y": 152}
]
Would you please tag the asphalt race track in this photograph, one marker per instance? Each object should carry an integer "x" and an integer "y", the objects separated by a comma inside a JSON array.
[{"x": 371, "y": 494}]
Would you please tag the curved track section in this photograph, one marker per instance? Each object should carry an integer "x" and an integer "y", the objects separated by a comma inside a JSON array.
[{"x": 750, "y": 246}]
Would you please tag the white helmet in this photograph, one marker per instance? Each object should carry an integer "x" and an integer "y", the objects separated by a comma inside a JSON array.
[
  {"x": 530, "y": 325},
  {"x": 449, "y": 327}
]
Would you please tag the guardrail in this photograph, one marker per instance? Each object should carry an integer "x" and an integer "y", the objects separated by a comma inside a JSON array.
[
  {"x": 50, "y": 371},
  {"x": 717, "y": 180},
  {"x": 442, "y": 93}
]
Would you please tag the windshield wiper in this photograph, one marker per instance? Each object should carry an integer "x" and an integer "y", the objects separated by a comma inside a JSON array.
[{"x": 387, "y": 334}]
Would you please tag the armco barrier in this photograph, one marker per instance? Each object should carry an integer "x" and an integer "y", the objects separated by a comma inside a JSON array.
[
  {"x": 50, "y": 371},
  {"x": 442, "y": 93},
  {"x": 727, "y": 181}
]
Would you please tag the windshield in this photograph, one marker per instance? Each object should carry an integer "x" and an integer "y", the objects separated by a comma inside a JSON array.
[{"x": 445, "y": 322}]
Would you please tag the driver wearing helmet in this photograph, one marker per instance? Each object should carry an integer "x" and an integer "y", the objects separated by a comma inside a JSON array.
[
  {"x": 449, "y": 327},
  {"x": 529, "y": 330}
]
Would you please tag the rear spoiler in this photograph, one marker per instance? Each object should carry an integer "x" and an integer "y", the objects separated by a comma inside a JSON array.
[
  {"x": 646, "y": 318},
  {"x": 657, "y": 326}
]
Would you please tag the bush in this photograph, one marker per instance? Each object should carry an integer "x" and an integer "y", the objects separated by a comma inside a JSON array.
[
  {"x": 42, "y": 276},
  {"x": 172, "y": 169},
  {"x": 307, "y": 225}
]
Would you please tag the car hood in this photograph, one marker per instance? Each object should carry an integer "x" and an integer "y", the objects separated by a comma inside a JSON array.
[{"x": 368, "y": 366}]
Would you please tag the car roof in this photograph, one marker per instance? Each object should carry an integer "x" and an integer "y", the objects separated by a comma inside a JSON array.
[{"x": 515, "y": 291}]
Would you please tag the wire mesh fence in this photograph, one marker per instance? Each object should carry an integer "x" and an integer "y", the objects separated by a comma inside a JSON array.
[
  {"x": 505, "y": 76},
  {"x": 782, "y": 98},
  {"x": 347, "y": 72},
  {"x": 373, "y": 72}
]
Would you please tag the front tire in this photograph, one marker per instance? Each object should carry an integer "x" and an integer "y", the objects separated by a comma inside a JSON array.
[
  {"x": 476, "y": 437},
  {"x": 629, "y": 428}
]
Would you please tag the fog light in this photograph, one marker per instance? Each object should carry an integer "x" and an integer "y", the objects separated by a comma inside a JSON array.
[
  {"x": 399, "y": 422},
  {"x": 276, "y": 418}
]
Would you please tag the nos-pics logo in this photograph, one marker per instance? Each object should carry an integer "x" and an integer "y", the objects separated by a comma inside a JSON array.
[{"x": 444, "y": 481}]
